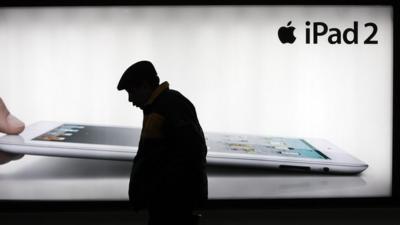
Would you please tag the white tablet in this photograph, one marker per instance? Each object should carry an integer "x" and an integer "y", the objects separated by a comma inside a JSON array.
[
  {"x": 121, "y": 143},
  {"x": 300, "y": 154}
]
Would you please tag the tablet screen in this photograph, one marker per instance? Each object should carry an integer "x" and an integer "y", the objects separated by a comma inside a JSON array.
[
  {"x": 101, "y": 135},
  {"x": 275, "y": 146}
]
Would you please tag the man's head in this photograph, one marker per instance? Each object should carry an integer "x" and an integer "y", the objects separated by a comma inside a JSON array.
[{"x": 139, "y": 80}]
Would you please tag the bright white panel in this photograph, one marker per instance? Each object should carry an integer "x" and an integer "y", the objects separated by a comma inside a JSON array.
[{"x": 63, "y": 64}]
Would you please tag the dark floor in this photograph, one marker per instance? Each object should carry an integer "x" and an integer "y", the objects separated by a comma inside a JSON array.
[{"x": 352, "y": 216}]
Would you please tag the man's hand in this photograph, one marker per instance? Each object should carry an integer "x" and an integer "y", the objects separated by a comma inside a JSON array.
[{"x": 9, "y": 124}]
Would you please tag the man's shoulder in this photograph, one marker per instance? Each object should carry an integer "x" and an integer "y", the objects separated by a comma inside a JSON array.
[
  {"x": 172, "y": 101},
  {"x": 172, "y": 96}
]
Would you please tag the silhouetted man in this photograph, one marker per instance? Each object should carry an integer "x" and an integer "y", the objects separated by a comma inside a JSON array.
[{"x": 168, "y": 176}]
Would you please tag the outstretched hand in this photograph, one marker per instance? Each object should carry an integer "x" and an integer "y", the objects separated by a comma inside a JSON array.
[{"x": 9, "y": 124}]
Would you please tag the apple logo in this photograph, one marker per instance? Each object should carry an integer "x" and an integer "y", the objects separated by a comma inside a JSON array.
[{"x": 285, "y": 34}]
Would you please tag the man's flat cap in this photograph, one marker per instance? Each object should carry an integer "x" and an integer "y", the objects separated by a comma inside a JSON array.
[{"x": 136, "y": 73}]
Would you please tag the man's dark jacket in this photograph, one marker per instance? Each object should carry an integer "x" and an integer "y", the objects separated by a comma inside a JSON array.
[{"x": 169, "y": 167}]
